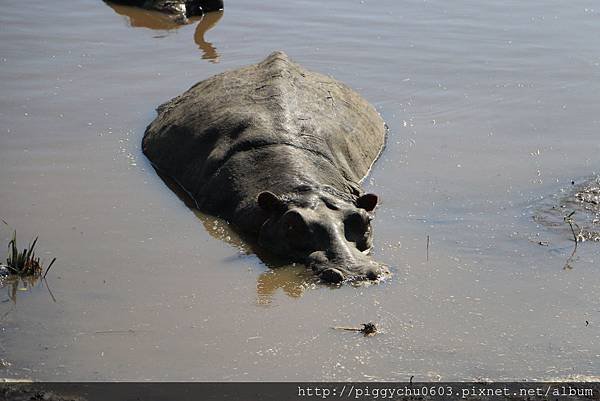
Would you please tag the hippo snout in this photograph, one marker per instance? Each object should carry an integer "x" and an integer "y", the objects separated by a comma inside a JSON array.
[
  {"x": 336, "y": 275},
  {"x": 337, "y": 271}
]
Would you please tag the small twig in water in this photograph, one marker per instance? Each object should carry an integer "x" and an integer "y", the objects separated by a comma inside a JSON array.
[
  {"x": 569, "y": 221},
  {"x": 48, "y": 288},
  {"x": 368, "y": 329},
  {"x": 428, "y": 248},
  {"x": 129, "y": 331}
]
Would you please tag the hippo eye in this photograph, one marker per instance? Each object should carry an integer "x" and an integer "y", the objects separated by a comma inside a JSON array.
[
  {"x": 330, "y": 204},
  {"x": 298, "y": 235},
  {"x": 294, "y": 224}
]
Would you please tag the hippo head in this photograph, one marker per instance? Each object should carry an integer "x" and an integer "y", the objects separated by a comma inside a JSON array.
[{"x": 328, "y": 234}]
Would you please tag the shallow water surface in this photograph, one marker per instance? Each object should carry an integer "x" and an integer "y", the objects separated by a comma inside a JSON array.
[{"x": 492, "y": 109}]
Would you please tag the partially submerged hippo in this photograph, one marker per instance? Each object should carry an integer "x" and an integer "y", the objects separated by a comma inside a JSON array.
[
  {"x": 278, "y": 151},
  {"x": 181, "y": 9}
]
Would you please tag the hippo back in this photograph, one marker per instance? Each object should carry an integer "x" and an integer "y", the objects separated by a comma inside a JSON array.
[{"x": 275, "y": 102}]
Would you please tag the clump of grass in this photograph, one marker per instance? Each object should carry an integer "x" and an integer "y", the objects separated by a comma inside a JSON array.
[{"x": 24, "y": 263}]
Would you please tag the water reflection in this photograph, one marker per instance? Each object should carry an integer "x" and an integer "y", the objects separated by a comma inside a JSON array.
[
  {"x": 138, "y": 17},
  {"x": 294, "y": 280},
  {"x": 207, "y": 22},
  {"x": 15, "y": 284}
]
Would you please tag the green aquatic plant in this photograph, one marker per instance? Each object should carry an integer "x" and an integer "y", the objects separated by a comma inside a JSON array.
[
  {"x": 22, "y": 269},
  {"x": 24, "y": 263}
]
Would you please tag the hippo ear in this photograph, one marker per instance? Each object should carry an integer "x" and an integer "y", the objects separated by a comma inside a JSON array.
[
  {"x": 367, "y": 202},
  {"x": 270, "y": 202}
]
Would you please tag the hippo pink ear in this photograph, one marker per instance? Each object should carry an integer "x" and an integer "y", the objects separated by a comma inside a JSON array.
[
  {"x": 270, "y": 202},
  {"x": 367, "y": 202}
]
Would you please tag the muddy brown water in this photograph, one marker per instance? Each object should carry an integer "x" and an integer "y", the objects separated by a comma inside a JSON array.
[{"x": 492, "y": 107}]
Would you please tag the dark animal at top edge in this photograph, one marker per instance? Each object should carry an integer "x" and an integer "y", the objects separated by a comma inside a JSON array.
[
  {"x": 278, "y": 151},
  {"x": 181, "y": 9}
]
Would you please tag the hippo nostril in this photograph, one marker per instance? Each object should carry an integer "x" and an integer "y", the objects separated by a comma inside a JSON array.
[
  {"x": 332, "y": 275},
  {"x": 372, "y": 275}
]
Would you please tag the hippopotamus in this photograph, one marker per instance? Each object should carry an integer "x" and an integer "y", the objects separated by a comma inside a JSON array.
[
  {"x": 278, "y": 151},
  {"x": 180, "y": 9}
]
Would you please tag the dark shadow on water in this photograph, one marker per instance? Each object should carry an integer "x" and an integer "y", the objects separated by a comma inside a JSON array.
[
  {"x": 138, "y": 17},
  {"x": 293, "y": 280}
]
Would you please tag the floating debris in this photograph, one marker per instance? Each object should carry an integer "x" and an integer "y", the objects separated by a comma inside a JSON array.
[
  {"x": 368, "y": 329},
  {"x": 589, "y": 195},
  {"x": 581, "y": 198}
]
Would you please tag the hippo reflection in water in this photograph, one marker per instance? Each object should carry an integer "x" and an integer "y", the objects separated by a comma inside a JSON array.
[
  {"x": 138, "y": 17},
  {"x": 278, "y": 151}
]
